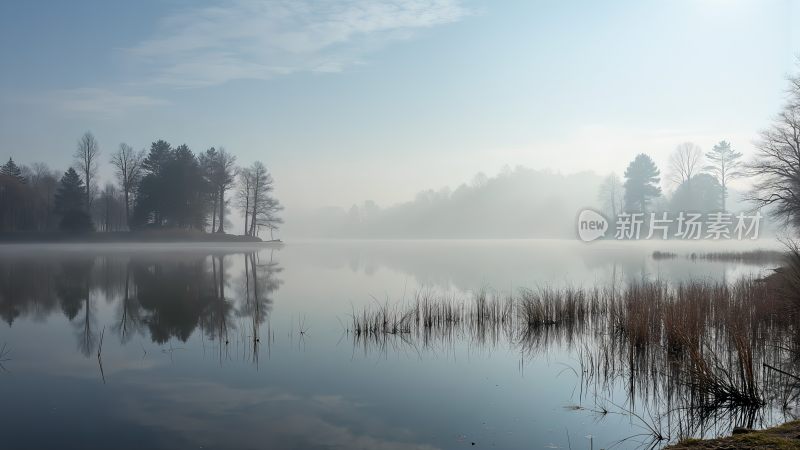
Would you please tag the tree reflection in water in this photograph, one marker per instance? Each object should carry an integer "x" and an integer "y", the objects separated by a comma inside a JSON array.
[{"x": 162, "y": 296}]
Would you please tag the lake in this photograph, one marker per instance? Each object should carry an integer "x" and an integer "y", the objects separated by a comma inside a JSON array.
[{"x": 243, "y": 346}]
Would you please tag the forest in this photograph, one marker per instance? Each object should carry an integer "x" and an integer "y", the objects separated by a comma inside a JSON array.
[
  {"x": 523, "y": 202},
  {"x": 163, "y": 187}
]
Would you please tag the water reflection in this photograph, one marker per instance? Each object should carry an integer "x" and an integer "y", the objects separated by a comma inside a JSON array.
[
  {"x": 162, "y": 296},
  {"x": 684, "y": 359},
  {"x": 245, "y": 349},
  {"x": 505, "y": 264}
]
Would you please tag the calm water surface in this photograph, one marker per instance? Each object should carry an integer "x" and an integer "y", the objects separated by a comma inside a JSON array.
[{"x": 242, "y": 347}]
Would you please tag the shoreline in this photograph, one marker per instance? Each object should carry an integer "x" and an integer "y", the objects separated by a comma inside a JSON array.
[
  {"x": 128, "y": 237},
  {"x": 786, "y": 436}
]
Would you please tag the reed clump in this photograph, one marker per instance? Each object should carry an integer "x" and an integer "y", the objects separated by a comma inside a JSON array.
[
  {"x": 381, "y": 320},
  {"x": 548, "y": 307},
  {"x": 664, "y": 255},
  {"x": 706, "y": 339},
  {"x": 753, "y": 256}
]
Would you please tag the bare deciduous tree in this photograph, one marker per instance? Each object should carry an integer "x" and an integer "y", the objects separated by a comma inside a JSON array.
[
  {"x": 684, "y": 163},
  {"x": 268, "y": 216},
  {"x": 128, "y": 167},
  {"x": 244, "y": 194},
  {"x": 44, "y": 182},
  {"x": 264, "y": 208},
  {"x": 725, "y": 166},
  {"x": 110, "y": 211},
  {"x": 86, "y": 160},
  {"x": 777, "y": 162},
  {"x": 223, "y": 174},
  {"x": 612, "y": 194}
]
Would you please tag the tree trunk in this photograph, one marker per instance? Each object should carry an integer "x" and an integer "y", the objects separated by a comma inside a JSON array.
[
  {"x": 214, "y": 215},
  {"x": 253, "y": 221},
  {"x": 723, "y": 194},
  {"x": 127, "y": 210},
  {"x": 108, "y": 214},
  {"x": 221, "y": 210}
]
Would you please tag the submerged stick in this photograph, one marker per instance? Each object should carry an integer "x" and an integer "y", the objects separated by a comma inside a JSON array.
[{"x": 99, "y": 353}]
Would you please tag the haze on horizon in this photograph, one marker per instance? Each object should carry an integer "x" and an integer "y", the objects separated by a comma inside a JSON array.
[{"x": 376, "y": 100}]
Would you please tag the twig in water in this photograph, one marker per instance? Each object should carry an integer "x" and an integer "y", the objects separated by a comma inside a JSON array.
[
  {"x": 301, "y": 324},
  {"x": 100, "y": 346},
  {"x": 99, "y": 355},
  {"x": 4, "y": 352}
]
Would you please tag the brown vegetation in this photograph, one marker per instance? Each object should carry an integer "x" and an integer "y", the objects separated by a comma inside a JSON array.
[
  {"x": 695, "y": 350},
  {"x": 786, "y": 436}
]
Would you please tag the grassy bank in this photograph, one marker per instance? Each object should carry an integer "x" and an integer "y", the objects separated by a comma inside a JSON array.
[
  {"x": 124, "y": 236},
  {"x": 786, "y": 436}
]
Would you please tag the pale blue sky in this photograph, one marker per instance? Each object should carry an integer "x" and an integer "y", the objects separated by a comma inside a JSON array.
[{"x": 347, "y": 100}]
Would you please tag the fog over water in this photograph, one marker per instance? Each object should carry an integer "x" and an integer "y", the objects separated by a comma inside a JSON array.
[
  {"x": 176, "y": 327},
  {"x": 516, "y": 203}
]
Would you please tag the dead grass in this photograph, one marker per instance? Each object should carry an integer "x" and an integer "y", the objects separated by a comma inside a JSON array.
[
  {"x": 699, "y": 352},
  {"x": 704, "y": 342},
  {"x": 784, "y": 437}
]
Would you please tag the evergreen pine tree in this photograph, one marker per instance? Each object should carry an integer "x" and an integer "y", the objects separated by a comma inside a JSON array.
[
  {"x": 641, "y": 183},
  {"x": 12, "y": 170},
  {"x": 725, "y": 166},
  {"x": 70, "y": 204}
]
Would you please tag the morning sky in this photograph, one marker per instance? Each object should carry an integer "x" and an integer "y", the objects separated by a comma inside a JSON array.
[{"x": 348, "y": 100}]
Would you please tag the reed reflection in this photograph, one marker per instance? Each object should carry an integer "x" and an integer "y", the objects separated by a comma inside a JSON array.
[{"x": 681, "y": 360}]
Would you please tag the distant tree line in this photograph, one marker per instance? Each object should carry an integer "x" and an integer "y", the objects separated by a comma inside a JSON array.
[
  {"x": 159, "y": 187},
  {"x": 517, "y": 202},
  {"x": 701, "y": 181}
]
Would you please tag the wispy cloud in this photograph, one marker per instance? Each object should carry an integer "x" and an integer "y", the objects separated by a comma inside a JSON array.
[
  {"x": 248, "y": 39},
  {"x": 97, "y": 101}
]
